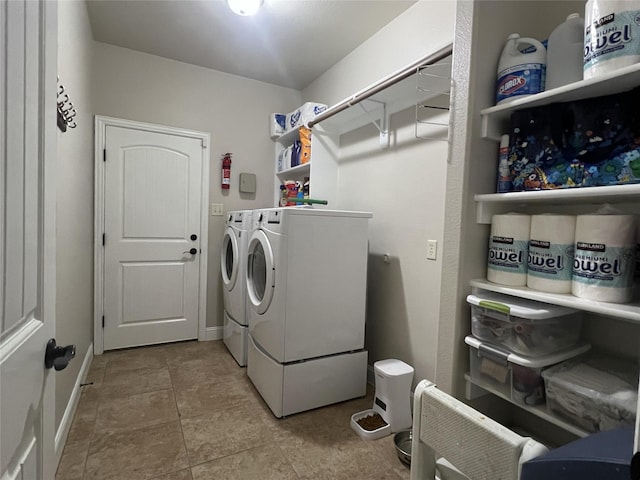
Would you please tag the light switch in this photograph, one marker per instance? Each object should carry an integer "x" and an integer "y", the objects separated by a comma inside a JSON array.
[
  {"x": 216, "y": 209},
  {"x": 248, "y": 182}
]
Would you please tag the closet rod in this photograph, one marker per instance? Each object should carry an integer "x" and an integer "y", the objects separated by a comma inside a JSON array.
[{"x": 382, "y": 84}]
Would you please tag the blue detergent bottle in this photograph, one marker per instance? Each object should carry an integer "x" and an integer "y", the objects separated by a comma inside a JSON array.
[{"x": 522, "y": 68}]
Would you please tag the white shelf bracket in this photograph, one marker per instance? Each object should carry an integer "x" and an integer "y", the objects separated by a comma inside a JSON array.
[{"x": 382, "y": 124}]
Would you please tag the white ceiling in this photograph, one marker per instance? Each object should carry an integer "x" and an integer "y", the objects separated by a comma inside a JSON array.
[{"x": 288, "y": 42}]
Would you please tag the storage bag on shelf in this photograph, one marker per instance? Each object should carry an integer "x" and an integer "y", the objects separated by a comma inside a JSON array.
[
  {"x": 590, "y": 142},
  {"x": 597, "y": 392}
]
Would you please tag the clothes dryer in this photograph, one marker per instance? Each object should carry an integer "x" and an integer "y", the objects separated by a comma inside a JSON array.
[
  {"x": 306, "y": 288},
  {"x": 232, "y": 261}
]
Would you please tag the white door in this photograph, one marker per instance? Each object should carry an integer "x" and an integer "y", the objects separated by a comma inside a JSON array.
[
  {"x": 152, "y": 246},
  {"x": 28, "y": 46}
]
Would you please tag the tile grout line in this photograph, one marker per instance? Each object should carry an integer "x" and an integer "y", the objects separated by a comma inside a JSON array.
[
  {"x": 184, "y": 442},
  {"x": 95, "y": 419},
  {"x": 284, "y": 455},
  {"x": 230, "y": 454}
]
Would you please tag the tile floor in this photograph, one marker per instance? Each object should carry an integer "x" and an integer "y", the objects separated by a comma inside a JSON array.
[{"x": 186, "y": 411}]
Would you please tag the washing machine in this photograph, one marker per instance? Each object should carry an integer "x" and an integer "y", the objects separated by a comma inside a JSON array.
[
  {"x": 233, "y": 265},
  {"x": 306, "y": 289}
]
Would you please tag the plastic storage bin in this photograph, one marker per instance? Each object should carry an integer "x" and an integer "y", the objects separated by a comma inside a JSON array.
[
  {"x": 596, "y": 392},
  {"x": 517, "y": 377},
  {"x": 522, "y": 326}
]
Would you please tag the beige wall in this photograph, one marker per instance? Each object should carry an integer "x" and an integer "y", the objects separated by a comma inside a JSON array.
[
  {"x": 403, "y": 186},
  {"x": 234, "y": 110},
  {"x": 74, "y": 239},
  {"x": 417, "y": 32}
]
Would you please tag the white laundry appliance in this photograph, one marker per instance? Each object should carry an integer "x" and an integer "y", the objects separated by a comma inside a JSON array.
[
  {"x": 306, "y": 289},
  {"x": 233, "y": 258}
]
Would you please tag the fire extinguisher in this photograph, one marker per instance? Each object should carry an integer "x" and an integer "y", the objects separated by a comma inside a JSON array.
[{"x": 226, "y": 171}]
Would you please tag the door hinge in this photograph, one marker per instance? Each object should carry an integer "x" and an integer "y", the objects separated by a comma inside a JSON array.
[
  {"x": 203, "y": 142},
  {"x": 103, "y": 239},
  {"x": 102, "y": 321},
  {"x": 104, "y": 155}
]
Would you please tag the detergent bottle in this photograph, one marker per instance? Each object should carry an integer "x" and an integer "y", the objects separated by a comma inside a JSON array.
[
  {"x": 565, "y": 52},
  {"x": 522, "y": 68}
]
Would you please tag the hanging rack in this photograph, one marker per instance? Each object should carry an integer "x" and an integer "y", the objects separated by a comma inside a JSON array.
[
  {"x": 433, "y": 121},
  {"x": 383, "y": 84},
  {"x": 66, "y": 111}
]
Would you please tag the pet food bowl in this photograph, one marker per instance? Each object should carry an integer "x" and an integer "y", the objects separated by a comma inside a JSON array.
[
  {"x": 369, "y": 434},
  {"x": 402, "y": 440}
]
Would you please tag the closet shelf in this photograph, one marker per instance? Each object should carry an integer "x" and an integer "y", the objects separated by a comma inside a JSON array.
[
  {"x": 629, "y": 312},
  {"x": 495, "y": 120},
  {"x": 490, "y": 204},
  {"x": 396, "y": 98},
  {"x": 298, "y": 170},
  {"x": 406, "y": 88},
  {"x": 612, "y": 193},
  {"x": 288, "y": 137},
  {"x": 539, "y": 411}
]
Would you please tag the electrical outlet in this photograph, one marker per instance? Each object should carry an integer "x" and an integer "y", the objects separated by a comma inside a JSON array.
[
  {"x": 432, "y": 249},
  {"x": 216, "y": 209}
]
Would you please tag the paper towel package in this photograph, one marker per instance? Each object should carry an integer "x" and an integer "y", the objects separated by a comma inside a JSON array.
[
  {"x": 550, "y": 258},
  {"x": 508, "y": 248},
  {"x": 280, "y": 123},
  {"x": 302, "y": 115},
  {"x": 612, "y": 36},
  {"x": 584, "y": 143},
  {"x": 604, "y": 257}
]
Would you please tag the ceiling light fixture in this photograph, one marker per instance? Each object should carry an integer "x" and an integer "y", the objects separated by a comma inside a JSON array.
[{"x": 245, "y": 7}]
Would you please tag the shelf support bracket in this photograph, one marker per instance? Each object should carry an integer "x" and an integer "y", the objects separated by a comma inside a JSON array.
[{"x": 382, "y": 124}]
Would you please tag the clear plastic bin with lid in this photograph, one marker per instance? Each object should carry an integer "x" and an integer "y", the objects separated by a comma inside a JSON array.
[{"x": 524, "y": 327}]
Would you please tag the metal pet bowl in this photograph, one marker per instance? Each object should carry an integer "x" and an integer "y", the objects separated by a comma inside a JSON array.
[{"x": 402, "y": 440}]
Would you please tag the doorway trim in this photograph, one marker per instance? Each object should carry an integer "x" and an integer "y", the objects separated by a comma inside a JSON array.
[{"x": 101, "y": 124}]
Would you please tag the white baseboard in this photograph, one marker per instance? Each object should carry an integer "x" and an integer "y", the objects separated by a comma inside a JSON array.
[
  {"x": 213, "y": 333},
  {"x": 72, "y": 404}
]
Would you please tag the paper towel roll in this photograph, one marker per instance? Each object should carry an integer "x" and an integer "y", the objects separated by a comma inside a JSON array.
[
  {"x": 508, "y": 247},
  {"x": 612, "y": 41},
  {"x": 604, "y": 257},
  {"x": 550, "y": 259}
]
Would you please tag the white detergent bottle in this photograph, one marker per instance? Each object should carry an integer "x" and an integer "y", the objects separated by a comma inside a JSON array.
[
  {"x": 565, "y": 51},
  {"x": 521, "y": 70}
]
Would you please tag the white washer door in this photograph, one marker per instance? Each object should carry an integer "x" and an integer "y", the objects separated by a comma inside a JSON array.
[
  {"x": 261, "y": 272},
  {"x": 229, "y": 258}
]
